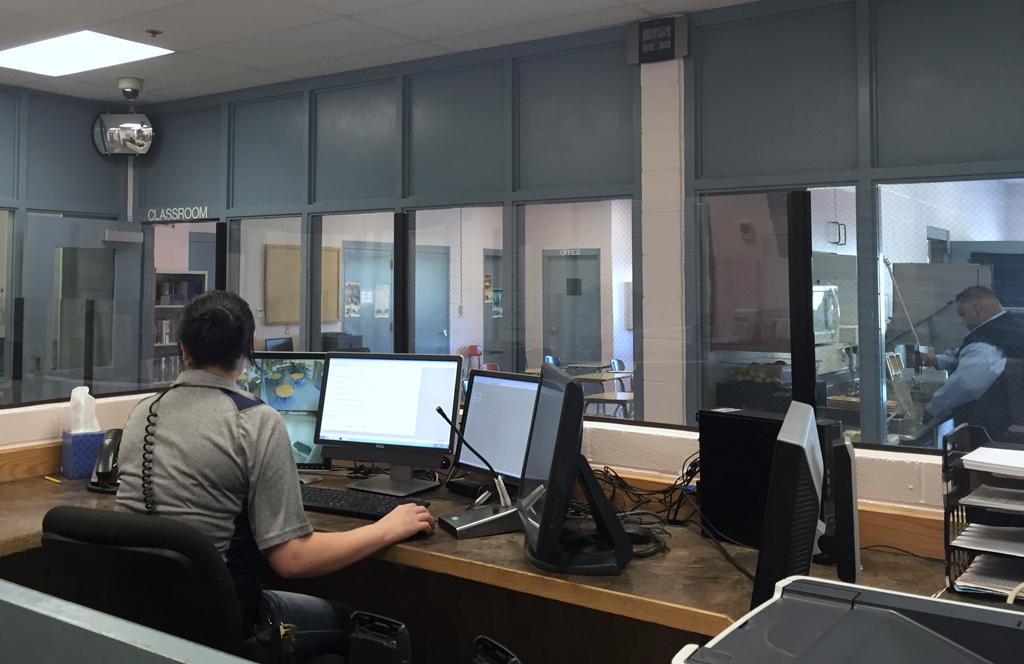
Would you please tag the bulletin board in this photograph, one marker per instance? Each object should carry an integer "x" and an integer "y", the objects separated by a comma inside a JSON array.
[{"x": 282, "y": 284}]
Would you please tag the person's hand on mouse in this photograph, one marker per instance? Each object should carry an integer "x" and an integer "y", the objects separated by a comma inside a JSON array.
[{"x": 406, "y": 521}]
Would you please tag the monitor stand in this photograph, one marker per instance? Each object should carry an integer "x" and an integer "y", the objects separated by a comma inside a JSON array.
[
  {"x": 399, "y": 482},
  {"x": 602, "y": 552}
]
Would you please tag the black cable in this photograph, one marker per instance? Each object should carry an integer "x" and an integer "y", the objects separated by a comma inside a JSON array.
[{"x": 714, "y": 535}]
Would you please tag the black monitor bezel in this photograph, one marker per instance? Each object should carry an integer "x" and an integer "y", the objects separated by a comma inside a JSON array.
[
  {"x": 267, "y": 350},
  {"x": 260, "y": 355},
  {"x": 376, "y": 452},
  {"x": 564, "y": 466},
  {"x": 461, "y": 465}
]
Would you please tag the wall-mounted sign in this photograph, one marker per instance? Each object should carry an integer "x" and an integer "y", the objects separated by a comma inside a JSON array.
[
  {"x": 656, "y": 40},
  {"x": 186, "y": 213},
  {"x": 570, "y": 252}
]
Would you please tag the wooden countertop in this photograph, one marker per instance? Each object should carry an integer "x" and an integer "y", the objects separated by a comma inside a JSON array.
[{"x": 690, "y": 587}]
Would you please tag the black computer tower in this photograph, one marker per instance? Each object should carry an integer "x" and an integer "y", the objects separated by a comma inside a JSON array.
[{"x": 736, "y": 449}]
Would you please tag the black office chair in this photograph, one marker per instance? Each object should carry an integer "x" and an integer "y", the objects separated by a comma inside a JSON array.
[{"x": 155, "y": 572}]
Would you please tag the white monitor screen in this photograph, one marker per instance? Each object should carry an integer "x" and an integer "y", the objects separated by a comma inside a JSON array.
[
  {"x": 496, "y": 422},
  {"x": 388, "y": 401}
]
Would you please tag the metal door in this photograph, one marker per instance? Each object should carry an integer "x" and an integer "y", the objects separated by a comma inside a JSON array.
[
  {"x": 572, "y": 304},
  {"x": 433, "y": 270},
  {"x": 368, "y": 295}
]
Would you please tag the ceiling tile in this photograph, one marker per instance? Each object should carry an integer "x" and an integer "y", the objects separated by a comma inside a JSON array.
[
  {"x": 387, "y": 56},
  {"x": 662, "y": 7},
  {"x": 353, "y": 7},
  {"x": 66, "y": 85},
  {"x": 435, "y": 19},
  {"x": 541, "y": 29},
  {"x": 165, "y": 71},
  {"x": 312, "y": 43},
  {"x": 15, "y": 77},
  {"x": 18, "y": 29},
  {"x": 206, "y": 22},
  {"x": 249, "y": 80},
  {"x": 81, "y": 13}
]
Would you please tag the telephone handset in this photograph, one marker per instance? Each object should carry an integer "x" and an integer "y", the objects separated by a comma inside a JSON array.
[{"x": 104, "y": 473}]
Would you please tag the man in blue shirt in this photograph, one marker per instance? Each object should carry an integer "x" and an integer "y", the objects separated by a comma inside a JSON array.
[{"x": 977, "y": 390}]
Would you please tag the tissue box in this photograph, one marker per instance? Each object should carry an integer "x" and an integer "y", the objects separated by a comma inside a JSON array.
[{"x": 78, "y": 452}]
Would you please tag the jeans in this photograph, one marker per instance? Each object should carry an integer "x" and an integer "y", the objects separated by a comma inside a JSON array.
[{"x": 322, "y": 627}]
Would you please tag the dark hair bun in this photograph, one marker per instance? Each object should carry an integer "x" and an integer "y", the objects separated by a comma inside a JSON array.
[{"x": 216, "y": 330}]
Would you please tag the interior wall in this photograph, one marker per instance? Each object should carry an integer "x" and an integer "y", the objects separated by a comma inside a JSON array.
[
  {"x": 171, "y": 246},
  {"x": 467, "y": 232},
  {"x": 256, "y": 234}
]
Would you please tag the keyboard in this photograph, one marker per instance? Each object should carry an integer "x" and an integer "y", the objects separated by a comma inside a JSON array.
[{"x": 360, "y": 504}]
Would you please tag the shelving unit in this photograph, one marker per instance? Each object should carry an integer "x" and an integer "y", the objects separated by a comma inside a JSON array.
[
  {"x": 984, "y": 519},
  {"x": 171, "y": 291}
]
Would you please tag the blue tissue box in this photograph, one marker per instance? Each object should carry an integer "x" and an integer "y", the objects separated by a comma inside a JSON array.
[{"x": 78, "y": 452}]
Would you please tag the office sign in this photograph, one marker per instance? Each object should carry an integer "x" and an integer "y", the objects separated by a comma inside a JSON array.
[
  {"x": 183, "y": 213},
  {"x": 570, "y": 252}
]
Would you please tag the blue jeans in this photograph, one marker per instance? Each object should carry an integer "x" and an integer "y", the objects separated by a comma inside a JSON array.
[{"x": 322, "y": 627}]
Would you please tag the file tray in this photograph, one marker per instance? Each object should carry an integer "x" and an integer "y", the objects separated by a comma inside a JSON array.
[{"x": 811, "y": 621}]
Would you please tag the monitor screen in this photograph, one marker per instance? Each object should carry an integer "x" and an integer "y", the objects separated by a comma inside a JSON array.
[
  {"x": 389, "y": 401},
  {"x": 496, "y": 421},
  {"x": 546, "y": 477},
  {"x": 278, "y": 345},
  {"x": 290, "y": 384}
]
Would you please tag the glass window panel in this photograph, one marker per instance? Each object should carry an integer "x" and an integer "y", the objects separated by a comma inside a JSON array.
[
  {"x": 834, "y": 284},
  {"x": 184, "y": 266},
  {"x": 578, "y": 260},
  {"x": 267, "y": 270},
  {"x": 459, "y": 301},
  {"x": 747, "y": 359},
  {"x": 938, "y": 239},
  {"x": 6, "y": 256},
  {"x": 357, "y": 293},
  {"x": 80, "y": 298}
]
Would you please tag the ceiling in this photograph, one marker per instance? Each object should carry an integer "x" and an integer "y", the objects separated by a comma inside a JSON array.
[{"x": 225, "y": 45}]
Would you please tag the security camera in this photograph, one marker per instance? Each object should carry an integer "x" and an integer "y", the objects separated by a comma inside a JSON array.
[{"x": 130, "y": 87}]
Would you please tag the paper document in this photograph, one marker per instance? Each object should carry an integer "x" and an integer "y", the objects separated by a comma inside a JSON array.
[
  {"x": 995, "y": 460},
  {"x": 996, "y": 498},
  {"x": 991, "y": 574},
  {"x": 1008, "y": 541}
]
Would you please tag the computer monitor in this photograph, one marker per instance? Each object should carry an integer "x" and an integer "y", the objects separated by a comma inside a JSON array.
[
  {"x": 382, "y": 408},
  {"x": 496, "y": 419},
  {"x": 290, "y": 383},
  {"x": 553, "y": 464},
  {"x": 793, "y": 504},
  {"x": 282, "y": 344}
]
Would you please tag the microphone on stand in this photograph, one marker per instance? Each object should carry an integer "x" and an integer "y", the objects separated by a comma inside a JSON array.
[{"x": 479, "y": 521}]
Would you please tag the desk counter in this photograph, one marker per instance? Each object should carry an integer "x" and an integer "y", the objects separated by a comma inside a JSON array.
[{"x": 690, "y": 587}]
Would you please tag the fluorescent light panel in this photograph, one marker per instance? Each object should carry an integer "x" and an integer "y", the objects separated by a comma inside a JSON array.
[{"x": 76, "y": 52}]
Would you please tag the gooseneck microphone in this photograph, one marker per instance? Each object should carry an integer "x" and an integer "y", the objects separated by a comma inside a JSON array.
[{"x": 503, "y": 498}]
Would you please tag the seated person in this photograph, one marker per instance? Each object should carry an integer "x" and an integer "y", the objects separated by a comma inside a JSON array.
[
  {"x": 221, "y": 461},
  {"x": 977, "y": 390}
]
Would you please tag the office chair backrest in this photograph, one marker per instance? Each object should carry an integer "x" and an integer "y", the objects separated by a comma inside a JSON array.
[
  {"x": 149, "y": 570},
  {"x": 617, "y": 365}
]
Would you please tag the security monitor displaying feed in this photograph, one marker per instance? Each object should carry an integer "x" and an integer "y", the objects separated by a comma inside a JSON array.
[{"x": 290, "y": 383}]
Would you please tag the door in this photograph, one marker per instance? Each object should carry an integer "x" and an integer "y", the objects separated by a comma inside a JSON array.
[
  {"x": 78, "y": 292},
  {"x": 433, "y": 296},
  {"x": 367, "y": 296},
  {"x": 572, "y": 304},
  {"x": 494, "y": 309},
  {"x": 202, "y": 254}
]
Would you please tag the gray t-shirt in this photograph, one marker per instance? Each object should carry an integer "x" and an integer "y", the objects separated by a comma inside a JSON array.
[{"x": 222, "y": 463}]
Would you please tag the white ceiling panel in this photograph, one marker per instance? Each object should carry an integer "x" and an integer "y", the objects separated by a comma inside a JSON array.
[
  {"x": 435, "y": 19},
  {"x": 199, "y": 89},
  {"x": 81, "y": 13},
  {"x": 554, "y": 27},
  {"x": 18, "y": 29},
  {"x": 205, "y": 22},
  {"x": 15, "y": 77},
  {"x": 387, "y": 56},
  {"x": 353, "y": 7},
  {"x": 69, "y": 86},
  {"x": 166, "y": 71},
  {"x": 662, "y": 7},
  {"x": 311, "y": 43}
]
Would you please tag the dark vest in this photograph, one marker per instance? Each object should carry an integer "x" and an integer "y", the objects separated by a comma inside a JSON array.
[{"x": 992, "y": 410}]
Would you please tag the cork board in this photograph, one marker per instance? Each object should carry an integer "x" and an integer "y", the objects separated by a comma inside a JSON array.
[{"x": 282, "y": 284}]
